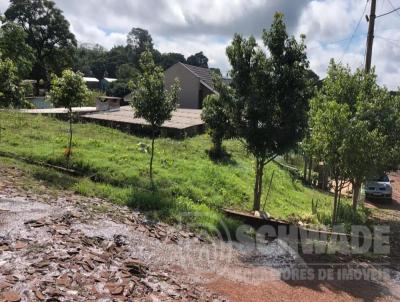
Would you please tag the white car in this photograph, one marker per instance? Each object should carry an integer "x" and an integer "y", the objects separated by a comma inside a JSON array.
[{"x": 380, "y": 187}]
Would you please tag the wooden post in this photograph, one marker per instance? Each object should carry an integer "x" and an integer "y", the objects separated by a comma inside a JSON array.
[{"x": 370, "y": 41}]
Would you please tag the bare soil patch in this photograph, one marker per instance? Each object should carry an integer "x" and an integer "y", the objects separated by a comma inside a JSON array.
[{"x": 58, "y": 246}]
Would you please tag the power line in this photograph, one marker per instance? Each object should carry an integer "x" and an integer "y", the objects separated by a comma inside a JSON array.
[
  {"x": 391, "y": 4},
  {"x": 335, "y": 42},
  {"x": 392, "y": 11},
  {"x": 391, "y": 41},
  {"x": 354, "y": 32}
]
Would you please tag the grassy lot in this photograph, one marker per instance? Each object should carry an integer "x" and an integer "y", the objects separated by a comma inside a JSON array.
[{"x": 116, "y": 168}]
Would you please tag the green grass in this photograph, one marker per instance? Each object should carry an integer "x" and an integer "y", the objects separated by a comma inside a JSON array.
[{"x": 186, "y": 180}]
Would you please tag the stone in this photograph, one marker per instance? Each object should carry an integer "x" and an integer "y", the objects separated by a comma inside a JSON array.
[
  {"x": 35, "y": 223},
  {"x": 117, "y": 290},
  {"x": 39, "y": 295},
  {"x": 64, "y": 281},
  {"x": 19, "y": 245},
  {"x": 4, "y": 285},
  {"x": 120, "y": 240},
  {"x": 11, "y": 296},
  {"x": 136, "y": 267},
  {"x": 41, "y": 264},
  {"x": 152, "y": 298}
]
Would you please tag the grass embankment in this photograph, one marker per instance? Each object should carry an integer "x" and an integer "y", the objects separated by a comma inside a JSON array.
[{"x": 186, "y": 180}]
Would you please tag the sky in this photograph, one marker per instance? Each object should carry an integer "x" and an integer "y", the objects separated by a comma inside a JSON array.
[{"x": 334, "y": 28}]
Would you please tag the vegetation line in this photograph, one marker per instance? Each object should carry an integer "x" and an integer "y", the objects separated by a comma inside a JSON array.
[{"x": 40, "y": 163}]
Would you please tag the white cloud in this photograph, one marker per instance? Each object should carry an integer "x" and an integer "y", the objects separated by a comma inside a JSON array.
[
  {"x": 330, "y": 20},
  {"x": 91, "y": 33},
  {"x": 208, "y": 25},
  {"x": 325, "y": 22}
]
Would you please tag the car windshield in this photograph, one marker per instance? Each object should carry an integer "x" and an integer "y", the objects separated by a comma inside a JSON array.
[{"x": 383, "y": 178}]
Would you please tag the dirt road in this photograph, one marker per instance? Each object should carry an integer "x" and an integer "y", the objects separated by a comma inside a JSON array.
[{"x": 61, "y": 247}]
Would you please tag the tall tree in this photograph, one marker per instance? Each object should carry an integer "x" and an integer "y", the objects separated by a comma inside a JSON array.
[
  {"x": 216, "y": 115},
  {"x": 14, "y": 47},
  {"x": 117, "y": 56},
  {"x": 272, "y": 95},
  {"x": 47, "y": 33},
  {"x": 304, "y": 147},
  {"x": 69, "y": 91},
  {"x": 330, "y": 122},
  {"x": 11, "y": 91},
  {"x": 90, "y": 60},
  {"x": 363, "y": 142},
  {"x": 125, "y": 74},
  {"x": 170, "y": 59},
  {"x": 198, "y": 59},
  {"x": 139, "y": 40},
  {"x": 150, "y": 100}
]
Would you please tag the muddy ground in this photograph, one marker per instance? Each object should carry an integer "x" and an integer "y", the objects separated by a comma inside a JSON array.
[{"x": 57, "y": 246}]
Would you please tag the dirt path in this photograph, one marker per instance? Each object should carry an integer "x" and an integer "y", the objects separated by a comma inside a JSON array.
[
  {"x": 63, "y": 247},
  {"x": 388, "y": 213}
]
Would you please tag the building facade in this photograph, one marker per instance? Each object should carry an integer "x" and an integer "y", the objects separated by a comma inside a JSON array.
[{"x": 196, "y": 84}]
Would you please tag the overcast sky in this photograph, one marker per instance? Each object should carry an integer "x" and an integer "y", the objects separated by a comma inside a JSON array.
[{"x": 208, "y": 25}]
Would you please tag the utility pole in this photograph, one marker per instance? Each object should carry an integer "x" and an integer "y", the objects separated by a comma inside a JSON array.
[{"x": 371, "y": 30}]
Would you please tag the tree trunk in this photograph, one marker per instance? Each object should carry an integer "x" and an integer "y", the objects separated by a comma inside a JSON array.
[
  {"x": 310, "y": 164},
  {"x": 256, "y": 205},
  {"x": 217, "y": 146},
  {"x": 305, "y": 168},
  {"x": 69, "y": 151},
  {"x": 335, "y": 202},
  {"x": 152, "y": 154},
  {"x": 356, "y": 193},
  {"x": 339, "y": 201},
  {"x": 258, "y": 184}
]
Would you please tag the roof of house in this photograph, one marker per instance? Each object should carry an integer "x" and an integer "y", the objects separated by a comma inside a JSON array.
[
  {"x": 89, "y": 79},
  {"x": 29, "y": 81},
  {"x": 204, "y": 74},
  {"x": 104, "y": 98},
  {"x": 110, "y": 80}
]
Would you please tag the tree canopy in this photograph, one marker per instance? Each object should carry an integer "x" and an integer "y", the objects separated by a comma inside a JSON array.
[
  {"x": 11, "y": 91},
  {"x": 69, "y": 91},
  {"x": 198, "y": 59},
  {"x": 47, "y": 33},
  {"x": 170, "y": 59},
  {"x": 272, "y": 94},
  {"x": 217, "y": 115},
  {"x": 90, "y": 60},
  {"x": 354, "y": 126},
  {"x": 150, "y": 100},
  {"x": 14, "y": 47}
]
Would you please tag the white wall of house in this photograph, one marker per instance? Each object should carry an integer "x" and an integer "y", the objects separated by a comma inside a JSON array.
[{"x": 190, "y": 85}]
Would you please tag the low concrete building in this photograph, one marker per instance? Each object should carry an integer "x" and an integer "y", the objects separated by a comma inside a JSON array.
[
  {"x": 196, "y": 83},
  {"x": 108, "y": 103}
]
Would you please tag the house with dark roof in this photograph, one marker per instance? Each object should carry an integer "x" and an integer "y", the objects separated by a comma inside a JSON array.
[{"x": 196, "y": 83}]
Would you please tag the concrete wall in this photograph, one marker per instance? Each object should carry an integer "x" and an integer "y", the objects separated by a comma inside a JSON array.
[{"x": 190, "y": 85}]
